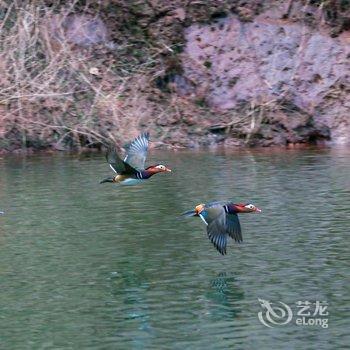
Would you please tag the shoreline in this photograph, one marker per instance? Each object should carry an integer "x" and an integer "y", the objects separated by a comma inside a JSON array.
[{"x": 211, "y": 149}]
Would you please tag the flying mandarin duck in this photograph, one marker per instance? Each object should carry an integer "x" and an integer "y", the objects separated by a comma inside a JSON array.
[
  {"x": 222, "y": 221},
  {"x": 131, "y": 171}
]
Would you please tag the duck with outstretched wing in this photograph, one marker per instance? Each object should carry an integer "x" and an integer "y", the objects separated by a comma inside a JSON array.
[
  {"x": 222, "y": 221},
  {"x": 131, "y": 170}
]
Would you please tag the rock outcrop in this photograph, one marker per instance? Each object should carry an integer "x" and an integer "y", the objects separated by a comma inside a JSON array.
[
  {"x": 298, "y": 75},
  {"x": 194, "y": 73}
]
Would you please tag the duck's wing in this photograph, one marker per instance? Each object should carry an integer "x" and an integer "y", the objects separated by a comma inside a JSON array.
[
  {"x": 212, "y": 210},
  {"x": 137, "y": 151},
  {"x": 232, "y": 222},
  {"x": 216, "y": 229},
  {"x": 234, "y": 227},
  {"x": 117, "y": 164},
  {"x": 217, "y": 203}
]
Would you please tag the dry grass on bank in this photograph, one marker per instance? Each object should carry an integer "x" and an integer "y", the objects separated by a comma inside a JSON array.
[{"x": 54, "y": 93}]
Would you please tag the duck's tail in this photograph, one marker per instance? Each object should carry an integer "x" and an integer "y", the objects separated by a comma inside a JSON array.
[
  {"x": 108, "y": 179},
  {"x": 188, "y": 214}
]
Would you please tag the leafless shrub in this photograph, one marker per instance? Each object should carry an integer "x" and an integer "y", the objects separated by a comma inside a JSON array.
[{"x": 54, "y": 89}]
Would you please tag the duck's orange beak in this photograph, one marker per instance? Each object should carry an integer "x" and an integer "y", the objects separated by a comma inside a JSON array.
[
  {"x": 167, "y": 170},
  {"x": 199, "y": 208},
  {"x": 257, "y": 210}
]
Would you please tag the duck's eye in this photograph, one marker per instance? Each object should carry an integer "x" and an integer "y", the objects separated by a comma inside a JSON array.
[{"x": 250, "y": 206}]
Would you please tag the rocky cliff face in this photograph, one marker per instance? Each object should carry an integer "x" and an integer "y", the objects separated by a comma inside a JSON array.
[
  {"x": 227, "y": 72},
  {"x": 287, "y": 78}
]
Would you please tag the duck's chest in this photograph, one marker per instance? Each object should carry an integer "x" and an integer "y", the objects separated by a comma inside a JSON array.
[
  {"x": 127, "y": 181},
  {"x": 131, "y": 182}
]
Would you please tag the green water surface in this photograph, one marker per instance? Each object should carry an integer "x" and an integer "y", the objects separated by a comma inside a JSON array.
[{"x": 90, "y": 266}]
